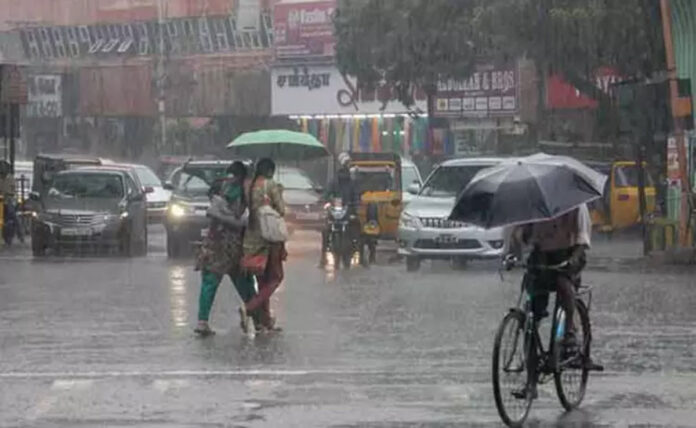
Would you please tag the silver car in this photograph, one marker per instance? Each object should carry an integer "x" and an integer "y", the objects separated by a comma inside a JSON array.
[{"x": 426, "y": 233}]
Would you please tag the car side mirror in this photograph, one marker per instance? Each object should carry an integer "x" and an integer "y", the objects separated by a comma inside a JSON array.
[
  {"x": 149, "y": 189},
  {"x": 34, "y": 196},
  {"x": 168, "y": 186},
  {"x": 137, "y": 197},
  {"x": 413, "y": 188}
]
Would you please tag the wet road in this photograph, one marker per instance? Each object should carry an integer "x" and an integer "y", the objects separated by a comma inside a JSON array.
[{"x": 108, "y": 342}]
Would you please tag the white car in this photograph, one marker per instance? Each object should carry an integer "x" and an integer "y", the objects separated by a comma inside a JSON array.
[
  {"x": 424, "y": 229},
  {"x": 157, "y": 196},
  {"x": 410, "y": 179}
]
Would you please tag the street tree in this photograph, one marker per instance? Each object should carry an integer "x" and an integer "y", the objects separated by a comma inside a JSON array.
[{"x": 406, "y": 43}]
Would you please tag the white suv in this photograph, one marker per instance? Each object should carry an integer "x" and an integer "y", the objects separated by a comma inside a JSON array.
[{"x": 426, "y": 233}]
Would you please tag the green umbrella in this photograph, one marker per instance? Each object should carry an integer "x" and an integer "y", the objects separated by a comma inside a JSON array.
[{"x": 278, "y": 144}]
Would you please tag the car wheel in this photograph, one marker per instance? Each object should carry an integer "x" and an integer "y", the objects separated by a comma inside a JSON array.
[
  {"x": 413, "y": 263},
  {"x": 141, "y": 246},
  {"x": 459, "y": 263},
  {"x": 125, "y": 245},
  {"x": 38, "y": 249},
  {"x": 173, "y": 247}
]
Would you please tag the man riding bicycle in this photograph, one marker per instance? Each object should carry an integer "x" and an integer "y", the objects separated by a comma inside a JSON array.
[{"x": 562, "y": 240}]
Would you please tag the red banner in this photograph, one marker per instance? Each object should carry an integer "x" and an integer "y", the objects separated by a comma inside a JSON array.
[
  {"x": 304, "y": 30},
  {"x": 562, "y": 95}
]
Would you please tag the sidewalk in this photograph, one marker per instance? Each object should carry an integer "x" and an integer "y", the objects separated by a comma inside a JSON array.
[{"x": 626, "y": 249}]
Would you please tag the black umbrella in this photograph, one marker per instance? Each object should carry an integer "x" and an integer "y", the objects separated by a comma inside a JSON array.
[{"x": 522, "y": 191}]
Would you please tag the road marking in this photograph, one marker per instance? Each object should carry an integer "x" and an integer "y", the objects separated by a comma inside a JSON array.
[
  {"x": 69, "y": 384},
  {"x": 174, "y": 373},
  {"x": 163, "y": 385}
]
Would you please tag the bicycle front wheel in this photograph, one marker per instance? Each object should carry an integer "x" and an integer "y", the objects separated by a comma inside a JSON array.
[
  {"x": 571, "y": 373},
  {"x": 510, "y": 370}
]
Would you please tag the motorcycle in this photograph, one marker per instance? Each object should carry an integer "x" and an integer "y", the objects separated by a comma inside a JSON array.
[{"x": 340, "y": 240}]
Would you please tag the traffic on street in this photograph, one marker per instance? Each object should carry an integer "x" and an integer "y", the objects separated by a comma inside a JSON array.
[{"x": 347, "y": 213}]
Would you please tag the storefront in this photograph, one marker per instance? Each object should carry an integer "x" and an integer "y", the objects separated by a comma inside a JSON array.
[{"x": 329, "y": 106}]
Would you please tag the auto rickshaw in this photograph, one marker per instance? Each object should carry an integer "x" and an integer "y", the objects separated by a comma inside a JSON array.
[
  {"x": 619, "y": 208},
  {"x": 378, "y": 178}
]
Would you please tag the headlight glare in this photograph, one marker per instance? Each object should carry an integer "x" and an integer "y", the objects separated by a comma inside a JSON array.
[{"x": 177, "y": 210}]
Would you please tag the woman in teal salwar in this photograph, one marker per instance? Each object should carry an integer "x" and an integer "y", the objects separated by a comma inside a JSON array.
[{"x": 222, "y": 250}]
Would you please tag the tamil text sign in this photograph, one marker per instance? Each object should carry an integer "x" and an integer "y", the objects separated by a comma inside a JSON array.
[{"x": 324, "y": 90}]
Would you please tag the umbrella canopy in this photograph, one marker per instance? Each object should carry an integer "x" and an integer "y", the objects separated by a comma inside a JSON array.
[
  {"x": 595, "y": 178},
  {"x": 278, "y": 144},
  {"x": 524, "y": 191}
]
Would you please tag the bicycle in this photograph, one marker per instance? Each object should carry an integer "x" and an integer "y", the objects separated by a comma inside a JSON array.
[{"x": 529, "y": 364}]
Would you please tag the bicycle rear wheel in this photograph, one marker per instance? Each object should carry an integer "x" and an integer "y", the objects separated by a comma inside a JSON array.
[
  {"x": 571, "y": 374},
  {"x": 510, "y": 370}
]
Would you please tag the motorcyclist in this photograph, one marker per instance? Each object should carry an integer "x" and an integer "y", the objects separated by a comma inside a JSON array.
[
  {"x": 342, "y": 186},
  {"x": 8, "y": 190}
]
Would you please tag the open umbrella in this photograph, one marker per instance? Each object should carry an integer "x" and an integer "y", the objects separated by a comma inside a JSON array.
[
  {"x": 278, "y": 144},
  {"x": 527, "y": 190}
]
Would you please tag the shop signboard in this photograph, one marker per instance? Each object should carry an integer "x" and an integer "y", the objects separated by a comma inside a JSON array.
[
  {"x": 304, "y": 30},
  {"x": 13, "y": 85},
  {"x": 222, "y": 34},
  {"x": 490, "y": 91},
  {"x": 323, "y": 90},
  {"x": 562, "y": 95},
  {"x": 45, "y": 96}
]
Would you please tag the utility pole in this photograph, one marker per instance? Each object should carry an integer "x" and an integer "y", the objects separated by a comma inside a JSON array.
[
  {"x": 161, "y": 74},
  {"x": 666, "y": 12}
]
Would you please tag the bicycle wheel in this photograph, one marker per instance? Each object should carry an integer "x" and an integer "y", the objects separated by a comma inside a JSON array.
[
  {"x": 571, "y": 374},
  {"x": 510, "y": 370}
]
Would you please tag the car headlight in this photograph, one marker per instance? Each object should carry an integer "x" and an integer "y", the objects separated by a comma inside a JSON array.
[
  {"x": 177, "y": 210},
  {"x": 409, "y": 221}
]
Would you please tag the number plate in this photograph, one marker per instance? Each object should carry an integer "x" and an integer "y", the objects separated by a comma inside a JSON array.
[
  {"x": 446, "y": 239},
  {"x": 204, "y": 233},
  {"x": 75, "y": 232}
]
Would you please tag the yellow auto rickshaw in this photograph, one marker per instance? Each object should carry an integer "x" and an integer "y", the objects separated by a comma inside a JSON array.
[
  {"x": 619, "y": 208},
  {"x": 378, "y": 180}
]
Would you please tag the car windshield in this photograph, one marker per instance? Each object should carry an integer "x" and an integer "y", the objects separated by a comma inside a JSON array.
[
  {"x": 294, "y": 180},
  {"x": 101, "y": 186},
  {"x": 196, "y": 181},
  {"x": 147, "y": 177},
  {"x": 448, "y": 181},
  {"x": 409, "y": 175},
  {"x": 627, "y": 176}
]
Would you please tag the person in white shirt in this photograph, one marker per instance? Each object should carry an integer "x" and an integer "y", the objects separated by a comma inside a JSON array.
[{"x": 553, "y": 242}]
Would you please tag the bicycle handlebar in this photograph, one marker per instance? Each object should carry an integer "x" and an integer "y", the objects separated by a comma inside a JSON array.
[{"x": 509, "y": 263}]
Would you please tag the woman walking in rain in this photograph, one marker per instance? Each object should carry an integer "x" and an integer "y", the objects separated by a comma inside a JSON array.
[
  {"x": 263, "y": 191},
  {"x": 222, "y": 250}
]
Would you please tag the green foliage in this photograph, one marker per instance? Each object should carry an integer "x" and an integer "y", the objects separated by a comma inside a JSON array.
[
  {"x": 417, "y": 42},
  {"x": 405, "y": 43}
]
